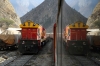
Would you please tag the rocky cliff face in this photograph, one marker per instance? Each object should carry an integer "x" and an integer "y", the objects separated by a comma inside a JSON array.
[
  {"x": 94, "y": 20},
  {"x": 46, "y": 14},
  {"x": 7, "y": 12}
]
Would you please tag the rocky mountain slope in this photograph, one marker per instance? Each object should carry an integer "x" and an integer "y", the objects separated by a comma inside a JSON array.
[
  {"x": 94, "y": 20},
  {"x": 46, "y": 14},
  {"x": 7, "y": 14}
]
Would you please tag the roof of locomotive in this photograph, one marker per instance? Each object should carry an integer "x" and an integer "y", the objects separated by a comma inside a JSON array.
[
  {"x": 77, "y": 24},
  {"x": 29, "y": 24}
]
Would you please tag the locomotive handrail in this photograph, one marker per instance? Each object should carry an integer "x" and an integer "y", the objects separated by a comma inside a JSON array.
[{"x": 29, "y": 24}]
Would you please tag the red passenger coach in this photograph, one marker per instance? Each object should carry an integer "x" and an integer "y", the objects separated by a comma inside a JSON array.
[
  {"x": 33, "y": 37},
  {"x": 75, "y": 38}
]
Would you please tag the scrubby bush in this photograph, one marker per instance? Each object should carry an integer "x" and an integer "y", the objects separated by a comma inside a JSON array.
[
  {"x": 6, "y": 22},
  {"x": 97, "y": 23}
]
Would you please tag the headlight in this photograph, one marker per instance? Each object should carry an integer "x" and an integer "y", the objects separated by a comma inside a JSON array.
[
  {"x": 23, "y": 42},
  {"x": 33, "y": 42}
]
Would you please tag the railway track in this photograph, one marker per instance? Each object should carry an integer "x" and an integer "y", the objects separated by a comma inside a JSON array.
[
  {"x": 24, "y": 60},
  {"x": 20, "y": 61},
  {"x": 46, "y": 52},
  {"x": 17, "y": 60},
  {"x": 85, "y": 61},
  {"x": 95, "y": 56},
  {"x": 3, "y": 52},
  {"x": 7, "y": 56}
]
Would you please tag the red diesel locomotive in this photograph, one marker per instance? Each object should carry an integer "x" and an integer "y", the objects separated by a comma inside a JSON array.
[
  {"x": 75, "y": 38},
  {"x": 33, "y": 37}
]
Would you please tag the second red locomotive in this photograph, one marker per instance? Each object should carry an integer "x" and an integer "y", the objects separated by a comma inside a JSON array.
[
  {"x": 75, "y": 38},
  {"x": 33, "y": 37}
]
